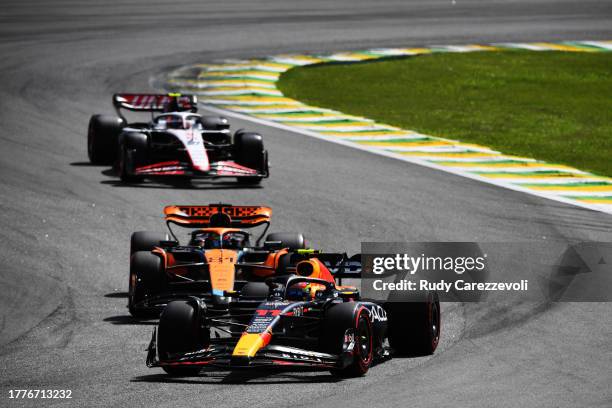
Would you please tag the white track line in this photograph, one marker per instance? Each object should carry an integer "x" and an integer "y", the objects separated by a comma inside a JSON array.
[{"x": 413, "y": 160}]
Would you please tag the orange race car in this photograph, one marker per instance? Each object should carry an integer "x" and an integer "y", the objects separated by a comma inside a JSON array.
[{"x": 218, "y": 257}]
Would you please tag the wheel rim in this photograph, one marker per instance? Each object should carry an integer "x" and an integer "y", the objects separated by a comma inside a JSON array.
[
  {"x": 435, "y": 323},
  {"x": 364, "y": 339},
  {"x": 131, "y": 286}
]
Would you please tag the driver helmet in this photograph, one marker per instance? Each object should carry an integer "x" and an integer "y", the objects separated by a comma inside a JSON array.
[
  {"x": 198, "y": 242},
  {"x": 211, "y": 243},
  {"x": 233, "y": 241},
  {"x": 300, "y": 291},
  {"x": 174, "y": 122}
]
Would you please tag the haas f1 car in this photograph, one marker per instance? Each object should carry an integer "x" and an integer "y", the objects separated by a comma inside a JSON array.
[
  {"x": 176, "y": 142},
  {"x": 219, "y": 256}
]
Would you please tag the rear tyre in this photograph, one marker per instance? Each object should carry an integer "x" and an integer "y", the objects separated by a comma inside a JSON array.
[
  {"x": 414, "y": 327},
  {"x": 343, "y": 319},
  {"x": 291, "y": 240},
  {"x": 146, "y": 240},
  {"x": 180, "y": 331},
  {"x": 255, "y": 290},
  {"x": 146, "y": 278},
  {"x": 102, "y": 136},
  {"x": 284, "y": 263},
  {"x": 249, "y": 152}
]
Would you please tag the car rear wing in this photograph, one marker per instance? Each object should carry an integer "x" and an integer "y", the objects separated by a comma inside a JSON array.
[
  {"x": 339, "y": 264},
  {"x": 155, "y": 102},
  {"x": 217, "y": 215}
]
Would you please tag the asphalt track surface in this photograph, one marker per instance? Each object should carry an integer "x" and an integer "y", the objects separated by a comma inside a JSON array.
[{"x": 65, "y": 225}]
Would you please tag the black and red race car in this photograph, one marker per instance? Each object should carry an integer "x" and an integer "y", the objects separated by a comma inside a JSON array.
[
  {"x": 175, "y": 142},
  {"x": 303, "y": 320}
]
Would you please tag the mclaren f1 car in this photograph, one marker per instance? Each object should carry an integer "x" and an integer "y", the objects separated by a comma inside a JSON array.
[
  {"x": 303, "y": 320},
  {"x": 176, "y": 142},
  {"x": 219, "y": 255}
]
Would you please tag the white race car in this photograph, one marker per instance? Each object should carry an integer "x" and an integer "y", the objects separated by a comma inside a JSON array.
[{"x": 176, "y": 142}]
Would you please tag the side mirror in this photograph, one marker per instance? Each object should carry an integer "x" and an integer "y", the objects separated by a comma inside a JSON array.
[{"x": 349, "y": 294}]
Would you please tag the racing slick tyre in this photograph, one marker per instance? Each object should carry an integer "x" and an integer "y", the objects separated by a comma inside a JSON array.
[
  {"x": 254, "y": 290},
  {"x": 180, "y": 330},
  {"x": 127, "y": 165},
  {"x": 102, "y": 135},
  {"x": 354, "y": 320},
  {"x": 291, "y": 240},
  {"x": 284, "y": 263},
  {"x": 146, "y": 240},
  {"x": 146, "y": 278},
  {"x": 249, "y": 152},
  {"x": 414, "y": 327}
]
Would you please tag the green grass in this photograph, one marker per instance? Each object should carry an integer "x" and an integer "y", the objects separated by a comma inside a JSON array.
[{"x": 553, "y": 106}]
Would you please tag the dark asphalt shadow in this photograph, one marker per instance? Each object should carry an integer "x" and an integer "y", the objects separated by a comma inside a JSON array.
[
  {"x": 267, "y": 377},
  {"x": 162, "y": 183},
  {"x": 116, "y": 295},
  {"x": 86, "y": 164},
  {"x": 129, "y": 320},
  {"x": 110, "y": 172},
  {"x": 151, "y": 185}
]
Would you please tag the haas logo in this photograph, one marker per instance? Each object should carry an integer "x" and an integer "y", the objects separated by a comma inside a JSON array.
[{"x": 378, "y": 313}]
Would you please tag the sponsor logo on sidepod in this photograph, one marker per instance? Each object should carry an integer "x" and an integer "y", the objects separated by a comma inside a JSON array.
[{"x": 378, "y": 313}]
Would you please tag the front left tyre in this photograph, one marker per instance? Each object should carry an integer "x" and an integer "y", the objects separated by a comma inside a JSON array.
[
  {"x": 180, "y": 331},
  {"x": 127, "y": 165},
  {"x": 255, "y": 291},
  {"x": 349, "y": 324}
]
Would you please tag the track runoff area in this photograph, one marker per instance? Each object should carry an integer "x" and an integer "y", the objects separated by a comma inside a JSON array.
[{"x": 247, "y": 89}]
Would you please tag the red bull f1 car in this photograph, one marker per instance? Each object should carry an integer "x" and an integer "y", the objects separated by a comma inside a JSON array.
[
  {"x": 175, "y": 142},
  {"x": 292, "y": 314}
]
